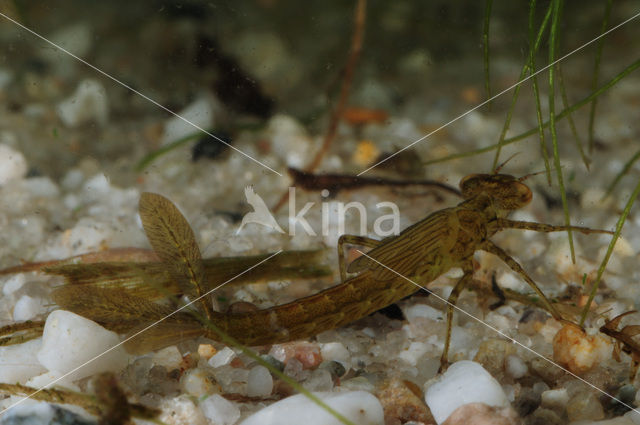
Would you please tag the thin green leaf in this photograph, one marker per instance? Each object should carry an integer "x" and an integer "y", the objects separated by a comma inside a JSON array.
[
  {"x": 534, "y": 78},
  {"x": 622, "y": 173},
  {"x": 596, "y": 71},
  {"x": 607, "y": 256},
  {"x": 535, "y": 45},
  {"x": 612, "y": 82},
  {"x": 144, "y": 162},
  {"x": 553, "y": 44}
]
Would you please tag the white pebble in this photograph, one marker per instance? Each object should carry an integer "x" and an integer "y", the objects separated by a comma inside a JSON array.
[
  {"x": 72, "y": 179},
  {"x": 42, "y": 187},
  {"x": 359, "y": 407},
  {"x": 70, "y": 340},
  {"x": 319, "y": 380},
  {"x": 511, "y": 281},
  {"x": 96, "y": 186},
  {"x": 336, "y": 351},
  {"x": 200, "y": 113},
  {"x": 87, "y": 104},
  {"x": 168, "y": 357},
  {"x": 412, "y": 354},
  {"x": 260, "y": 382},
  {"x": 36, "y": 412},
  {"x": 13, "y": 166},
  {"x": 289, "y": 140},
  {"x": 222, "y": 357},
  {"x": 18, "y": 362},
  {"x": 27, "y": 308},
  {"x": 13, "y": 284},
  {"x": 198, "y": 383},
  {"x": 53, "y": 379},
  {"x": 555, "y": 398},
  {"x": 463, "y": 383},
  {"x": 516, "y": 367},
  {"x": 181, "y": 410},
  {"x": 219, "y": 410},
  {"x": 422, "y": 311}
]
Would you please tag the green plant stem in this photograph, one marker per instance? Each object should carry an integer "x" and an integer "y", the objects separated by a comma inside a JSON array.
[
  {"x": 635, "y": 65},
  {"x": 534, "y": 78},
  {"x": 535, "y": 45},
  {"x": 596, "y": 70},
  {"x": 607, "y": 256},
  {"x": 553, "y": 44},
  {"x": 622, "y": 173},
  {"x": 144, "y": 163},
  {"x": 572, "y": 124}
]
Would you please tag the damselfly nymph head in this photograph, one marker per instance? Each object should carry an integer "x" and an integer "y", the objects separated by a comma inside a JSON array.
[{"x": 507, "y": 192}]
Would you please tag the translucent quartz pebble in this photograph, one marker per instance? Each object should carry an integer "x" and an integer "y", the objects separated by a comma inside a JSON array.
[
  {"x": 360, "y": 407},
  {"x": 260, "y": 382}
]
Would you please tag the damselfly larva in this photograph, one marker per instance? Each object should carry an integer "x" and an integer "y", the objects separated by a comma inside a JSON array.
[{"x": 449, "y": 237}]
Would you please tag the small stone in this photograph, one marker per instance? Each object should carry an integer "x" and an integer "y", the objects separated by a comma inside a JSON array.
[
  {"x": 200, "y": 113},
  {"x": 463, "y": 383},
  {"x": 307, "y": 353},
  {"x": 481, "y": 414},
  {"x": 414, "y": 352},
  {"x": 222, "y": 357},
  {"x": 13, "y": 166},
  {"x": 400, "y": 404},
  {"x": 70, "y": 340},
  {"x": 19, "y": 362},
  {"x": 492, "y": 355},
  {"x": 557, "y": 398},
  {"x": 198, "y": 383},
  {"x": 580, "y": 352},
  {"x": 168, "y": 357},
  {"x": 515, "y": 366},
  {"x": 206, "y": 351},
  {"x": 584, "y": 406},
  {"x": 260, "y": 382},
  {"x": 13, "y": 284},
  {"x": 527, "y": 401},
  {"x": 219, "y": 410},
  {"x": 544, "y": 416},
  {"x": 319, "y": 380},
  {"x": 360, "y": 407},
  {"x": 27, "y": 308},
  {"x": 49, "y": 378},
  {"x": 422, "y": 311},
  {"x": 336, "y": 369},
  {"x": 336, "y": 351},
  {"x": 273, "y": 362},
  {"x": 181, "y": 411},
  {"x": 87, "y": 104}
]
